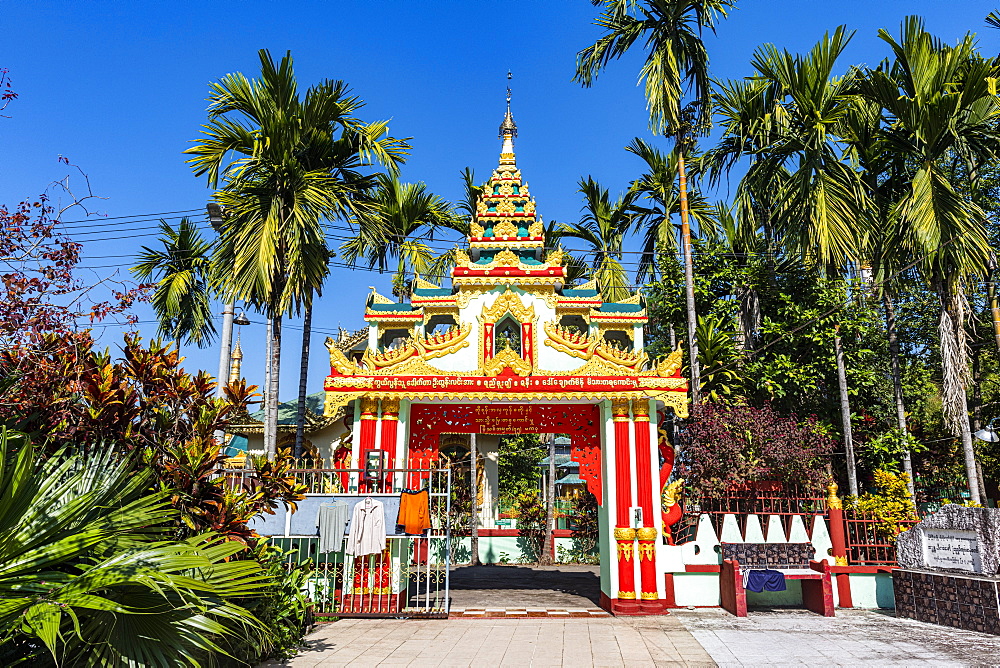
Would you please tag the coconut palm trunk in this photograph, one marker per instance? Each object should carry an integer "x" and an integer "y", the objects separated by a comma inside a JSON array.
[
  {"x": 692, "y": 314},
  {"x": 845, "y": 413},
  {"x": 300, "y": 414},
  {"x": 897, "y": 385},
  {"x": 271, "y": 399},
  {"x": 955, "y": 371}
]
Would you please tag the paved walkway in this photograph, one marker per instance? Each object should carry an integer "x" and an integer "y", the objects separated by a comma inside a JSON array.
[
  {"x": 704, "y": 637},
  {"x": 852, "y": 638},
  {"x": 611, "y": 641}
]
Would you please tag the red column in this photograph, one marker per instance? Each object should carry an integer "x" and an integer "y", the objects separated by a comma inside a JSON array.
[
  {"x": 367, "y": 433},
  {"x": 624, "y": 533},
  {"x": 838, "y": 542},
  {"x": 649, "y": 599},
  {"x": 390, "y": 421}
]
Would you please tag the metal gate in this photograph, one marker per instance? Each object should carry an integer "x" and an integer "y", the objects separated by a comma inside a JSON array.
[{"x": 409, "y": 578}]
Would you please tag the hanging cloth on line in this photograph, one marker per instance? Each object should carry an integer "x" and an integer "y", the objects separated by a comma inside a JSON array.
[
  {"x": 332, "y": 521},
  {"x": 367, "y": 534},
  {"x": 414, "y": 511}
]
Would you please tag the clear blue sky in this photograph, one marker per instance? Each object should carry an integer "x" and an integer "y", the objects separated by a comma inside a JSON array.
[{"x": 119, "y": 88}]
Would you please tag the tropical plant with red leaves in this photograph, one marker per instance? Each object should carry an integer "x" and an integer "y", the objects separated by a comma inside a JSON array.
[{"x": 725, "y": 446}]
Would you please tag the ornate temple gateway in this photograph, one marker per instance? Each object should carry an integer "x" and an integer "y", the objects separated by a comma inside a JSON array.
[{"x": 509, "y": 348}]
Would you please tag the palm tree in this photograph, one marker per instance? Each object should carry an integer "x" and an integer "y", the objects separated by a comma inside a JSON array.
[
  {"x": 882, "y": 171},
  {"x": 284, "y": 170},
  {"x": 940, "y": 108},
  {"x": 181, "y": 269},
  {"x": 816, "y": 204},
  {"x": 604, "y": 226},
  {"x": 676, "y": 63},
  {"x": 658, "y": 186},
  {"x": 403, "y": 219}
]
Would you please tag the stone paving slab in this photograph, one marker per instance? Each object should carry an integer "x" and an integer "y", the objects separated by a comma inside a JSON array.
[
  {"x": 852, "y": 638},
  {"x": 609, "y": 641}
]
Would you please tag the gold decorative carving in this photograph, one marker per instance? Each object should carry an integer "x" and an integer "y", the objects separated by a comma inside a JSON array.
[
  {"x": 506, "y": 258},
  {"x": 368, "y": 408},
  {"x": 497, "y": 280},
  {"x": 536, "y": 229},
  {"x": 672, "y": 493},
  {"x": 475, "y": 229},
  {"x": 376, "y": 298},
  {"x": 586, "y": 347},
  {"x": 390, "y": 406},
  {"x": 520, "y": 242},
  {"x": 504, "y": 359},
  {"x": 640, "y": 409},
  {"x": 508, "y": 302},
  {"x": 630, "y": 318},
  {"x": 650, "y": 596},
  {"x": 647, "y": 550},
  {"x": 481, "y": 208},
  {"x": 832, "y": 500},
  {"x": 634, "y": 299},
  {"x": 334, "y": 401},
  {"x": 840, "y": 561},
  {"x": 461, "y": 258},
  {"x": 426, "y": 285},
  {"x": 340, "y": 361},
  {"x": 529, "y": 206},
  {"x": 506, "y": 190},
  {"x": 657, "y": 382},
  {"x": 645, "y": 533},
  {"x": 624, "y": 533},
  {"x": 626, "y": 595},
  {"x": 424, "y": 348},
  {"x": 619, "y": 413},
  {"x": 505, "y": 228},
  {"x": 676, "y": 400},
  {"x": 625, "y": 551},
  {"x": 505, "y": 207},
  {"x": 670, "y": 365},
  {"x": 555, "y": 258}
]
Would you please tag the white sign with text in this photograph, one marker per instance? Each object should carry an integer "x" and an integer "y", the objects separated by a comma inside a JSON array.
[{"x": 951, "y": 548}]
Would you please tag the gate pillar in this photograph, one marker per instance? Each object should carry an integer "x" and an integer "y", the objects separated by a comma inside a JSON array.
[
  {"x": 647, "y": 534},
  {"x": 624, "y": 533}
]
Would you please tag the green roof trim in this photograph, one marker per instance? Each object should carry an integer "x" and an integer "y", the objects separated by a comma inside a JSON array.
[
  {"x": 432, "y": 292},
  {"x": 620, "y": 308},
  {"x": 391, "y": 308},
  {"x": 579, "y": 294}
]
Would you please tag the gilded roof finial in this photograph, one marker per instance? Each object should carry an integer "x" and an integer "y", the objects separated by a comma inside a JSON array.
[
  {"x": 235, "y": 362},
  {"x": 508, "y": 128}
]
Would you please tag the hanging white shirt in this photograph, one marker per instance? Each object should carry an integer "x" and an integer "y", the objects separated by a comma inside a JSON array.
[{"x": 367, "y": 533}]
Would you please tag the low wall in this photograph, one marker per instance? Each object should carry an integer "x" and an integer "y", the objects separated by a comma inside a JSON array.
[{"x": 497, "y": 546}]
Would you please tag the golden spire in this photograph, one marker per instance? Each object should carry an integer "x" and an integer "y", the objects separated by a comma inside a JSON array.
[{"x": 235, "y": 362}]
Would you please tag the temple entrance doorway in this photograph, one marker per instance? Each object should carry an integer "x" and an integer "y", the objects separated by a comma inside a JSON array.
[{"x": 516, "y": 475}]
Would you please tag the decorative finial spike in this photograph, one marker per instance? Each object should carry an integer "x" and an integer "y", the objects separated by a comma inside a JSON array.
[{"x": 508, "y": 129}]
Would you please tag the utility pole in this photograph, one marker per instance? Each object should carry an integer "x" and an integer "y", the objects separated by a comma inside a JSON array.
[{"x": 216, "y": 216}]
